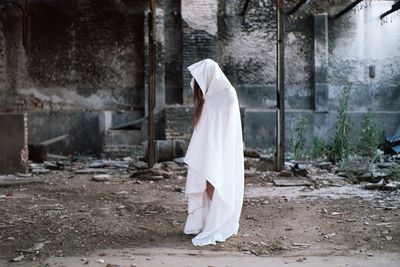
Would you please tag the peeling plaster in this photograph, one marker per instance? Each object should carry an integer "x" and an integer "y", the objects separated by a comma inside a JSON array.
[{"x": 201, "y": 15}]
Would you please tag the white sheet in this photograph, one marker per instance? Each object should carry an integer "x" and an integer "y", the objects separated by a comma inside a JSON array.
[{"x": 215, "y": 153}]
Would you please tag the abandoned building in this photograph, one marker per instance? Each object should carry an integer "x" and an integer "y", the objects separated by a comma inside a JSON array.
[{"x": 80, "y": 68}]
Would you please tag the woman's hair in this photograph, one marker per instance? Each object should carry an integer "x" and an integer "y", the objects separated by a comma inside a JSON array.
[{"x": 198, "y": 102}]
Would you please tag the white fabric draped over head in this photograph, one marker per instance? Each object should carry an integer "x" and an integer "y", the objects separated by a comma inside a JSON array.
[
  {"x": 215, "y": 154},
  {"x": 209, "y": 76}
]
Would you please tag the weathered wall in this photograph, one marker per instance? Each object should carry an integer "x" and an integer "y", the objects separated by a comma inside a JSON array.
[
  {"x": 173, "y": 51},
  {"x": 199, "y": 37},
  {"x": 358, "y": 41},
  {"x": 91, "y": 58},
  {"x": 322, "y": 56}
]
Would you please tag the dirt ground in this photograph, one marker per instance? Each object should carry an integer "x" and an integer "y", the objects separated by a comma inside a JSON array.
[{"x": 68, "y": 214}]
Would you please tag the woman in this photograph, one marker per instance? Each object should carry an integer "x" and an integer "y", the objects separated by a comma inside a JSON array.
[{"x": 214, "y": 185}]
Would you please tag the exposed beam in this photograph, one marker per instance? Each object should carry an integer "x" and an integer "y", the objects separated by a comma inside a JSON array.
[
  {"x": 151, "y": 153},
  {"x": 394, "y": 8},
  {"x": 245, "y": 7},
  {"x": 280, "y": 88},
  {"x": 296, "y": 7},
  {"x": 347, "y": 9}
]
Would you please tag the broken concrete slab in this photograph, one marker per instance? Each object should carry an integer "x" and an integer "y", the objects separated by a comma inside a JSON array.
[
  {"x": 6, "y": 181},
  {"x": 292, "y": 182},
  {"x": 14, "y": 143},
  {"x": 92, "y": 171}
]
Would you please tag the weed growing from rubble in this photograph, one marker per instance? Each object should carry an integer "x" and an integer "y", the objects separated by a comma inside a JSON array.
[
  {"x": 319, "y": 148},
  {"x": 370, "y": 138},
  {"x": 341, "y": 147},
  {"x": 395, "y": 175},
  {"x": 298, "y": 142}
]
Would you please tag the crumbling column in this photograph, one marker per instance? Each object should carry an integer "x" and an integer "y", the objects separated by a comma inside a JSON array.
[
  {"x": 13, "y": 143},
  {"x": 321, "y": 62},
  {"x": 2, "y": 66},
  {"x": 160, "y": 83},
  {"x": 199, "y": 40}
]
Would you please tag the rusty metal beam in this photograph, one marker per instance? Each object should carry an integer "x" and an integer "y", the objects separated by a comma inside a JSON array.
[
  {"x": 296, "y": 7},
  {"x": 347, "y": 9},
  {"x": 151, "y": 155},
  {"x": 280, "y": 88},
  {"x": 395, "y": 7}
]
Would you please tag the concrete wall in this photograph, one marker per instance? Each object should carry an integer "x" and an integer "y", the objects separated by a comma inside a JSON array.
[
  {"x": 357, "y": 42},
  {"x": 14, "y": 145},
  {"x": 322, "y": 56},
  {"x": 89, "y": 59},
  {"x": 93, "y": 58}
]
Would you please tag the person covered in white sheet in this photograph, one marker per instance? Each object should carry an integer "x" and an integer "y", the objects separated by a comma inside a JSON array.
[{"x": 214, "y": 185}]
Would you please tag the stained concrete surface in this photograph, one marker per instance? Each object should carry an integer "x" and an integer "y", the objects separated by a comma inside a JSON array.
[
  {"x": 14, "y": 143},
  {"x": 182, "y": 257}
]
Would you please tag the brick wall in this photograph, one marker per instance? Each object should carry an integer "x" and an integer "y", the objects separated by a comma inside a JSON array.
[
  {"x": 199, "y": 37},
  {"x": 91, "y": 58},
  {"x": 178, "y": 122}
]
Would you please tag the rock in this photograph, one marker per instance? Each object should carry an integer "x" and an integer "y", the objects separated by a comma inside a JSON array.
[
  {"x": 329, "y": 235},
  {"x": 389, "y": 238},
  {"x": 92, "y": 171},
  {"x": 258, "y": 164},
  {"x": 97, "y": 164},
  {"x": 36, "y": 247},
  {"x": 292, "y": 182},
  {"x": 152, "y": 174},
  {"x": 326, "y": 165},
  {"x": 385, "y": 165},
  {"x": 301, "y": 245},
  {"x": 101, "y": 178},
  {"x": 379, "y": 174},
  {"x": 100, "y": 261},
  {"x": 121, "y": 193},
  {"x": 54, "y": 166},
  {"x": 180, "y": 161},
  {"x": 286, "y": 173},
  {"x": 355, "y": 165},
  {"x": 251, "y": 153},
  {"x": 40, "y": 171},
  {"x": 299, "y": 170},
  {"x": 18, "y": 258},
  {"x": 157, "y": 166},
  {"x": 140, "y": 165}
]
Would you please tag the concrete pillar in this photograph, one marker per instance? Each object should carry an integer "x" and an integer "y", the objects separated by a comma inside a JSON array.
[
  {"x": 13, "y": 143},
  {"x": 321, "y": 62},
  {"x": 160, "y": 86},
  {"x": 2, "y": 66}
]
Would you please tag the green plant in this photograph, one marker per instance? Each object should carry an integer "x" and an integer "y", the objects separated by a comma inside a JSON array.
[
  {"x": 370, "y": 138},
  {"x": 298, "y": 142},
  {"x": 319, "y": 149},
  {"x": 340, "y": 146},
  {"x": 395, "y": 175}
]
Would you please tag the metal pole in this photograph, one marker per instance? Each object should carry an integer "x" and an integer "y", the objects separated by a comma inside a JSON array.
[
  {"x": 280, "y": 88},
  {"x": 152, "y": 83}
]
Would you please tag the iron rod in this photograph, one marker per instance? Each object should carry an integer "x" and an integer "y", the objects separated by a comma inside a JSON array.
[{"x": 347, "y": 9}]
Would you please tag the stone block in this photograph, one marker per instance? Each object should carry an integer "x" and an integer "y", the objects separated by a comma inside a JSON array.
[{"x": 14, "y": 143}]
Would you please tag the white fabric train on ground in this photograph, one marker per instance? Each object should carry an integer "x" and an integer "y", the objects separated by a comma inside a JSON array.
[{"x": 215, "y": 153}]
